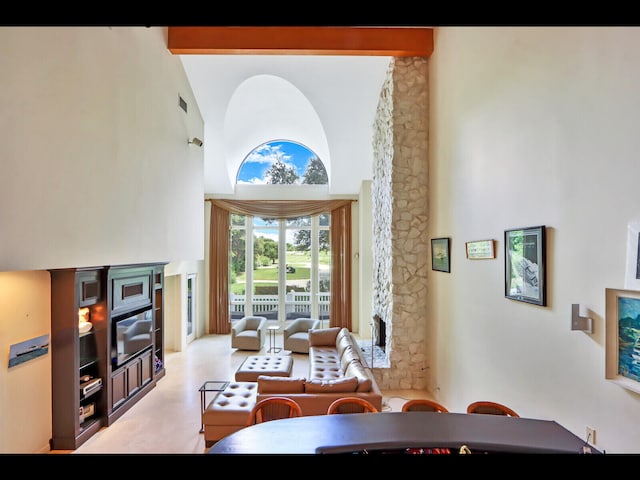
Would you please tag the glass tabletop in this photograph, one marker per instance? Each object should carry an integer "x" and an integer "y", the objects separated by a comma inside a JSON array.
[{"x": 213, "y": 386}]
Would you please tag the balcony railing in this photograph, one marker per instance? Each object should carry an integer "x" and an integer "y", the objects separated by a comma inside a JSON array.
[{"x": 297, "y": 305}]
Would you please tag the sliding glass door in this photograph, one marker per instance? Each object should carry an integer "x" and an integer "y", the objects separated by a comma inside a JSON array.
[{"x": 284, "y": 272}]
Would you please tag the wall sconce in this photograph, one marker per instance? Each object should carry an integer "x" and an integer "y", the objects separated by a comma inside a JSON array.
[
  {"x": 195, "y": 141},
  {"x": 580, "y": 322}
]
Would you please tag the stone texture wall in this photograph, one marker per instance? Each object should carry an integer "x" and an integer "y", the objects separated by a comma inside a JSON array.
[{"x": 400, "y": 240}]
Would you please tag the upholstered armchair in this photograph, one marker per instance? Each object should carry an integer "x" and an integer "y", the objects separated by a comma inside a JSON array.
[
  {"x": 248, "y": 333},
  {"x": 296, "y": 334}
]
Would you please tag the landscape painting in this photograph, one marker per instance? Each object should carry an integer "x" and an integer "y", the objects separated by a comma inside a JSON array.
[
  {"x": 440, "y": 255},
  {"x": 629, "y": 337},
  {"x": 623, "y": 338},
  {"x": 27, "y": 350}
]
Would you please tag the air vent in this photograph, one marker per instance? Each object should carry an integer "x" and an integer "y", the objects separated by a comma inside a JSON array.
[{"x": 182, "y": 103}]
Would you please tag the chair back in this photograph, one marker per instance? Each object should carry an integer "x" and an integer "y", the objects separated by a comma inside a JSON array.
[
  {"x": 252, "y": 323},
  {"x": 351, "y": 405},
  {"x": 490, "y": 408},
  {"x": 423, "y": 405},
  {"x": 274, "y": 408},
  {"x": 304, "y": 324}
]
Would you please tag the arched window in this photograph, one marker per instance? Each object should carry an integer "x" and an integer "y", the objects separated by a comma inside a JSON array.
[
  {"x": 283, "y": 273},
  {"x": 282, "y": 162}
]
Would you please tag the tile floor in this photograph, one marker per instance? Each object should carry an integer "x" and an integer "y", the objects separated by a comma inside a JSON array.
[{"x": 167, "y": 419}]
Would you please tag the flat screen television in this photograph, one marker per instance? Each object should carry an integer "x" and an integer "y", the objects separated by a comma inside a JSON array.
[{"x": 132, "y": 333}]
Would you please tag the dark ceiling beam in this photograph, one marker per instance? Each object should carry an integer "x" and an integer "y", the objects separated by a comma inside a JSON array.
[{"x": 365, "y": 41}]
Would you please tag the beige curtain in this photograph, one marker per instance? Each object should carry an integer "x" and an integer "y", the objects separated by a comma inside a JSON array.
[
  {"x": 219, "y": 271},
  {"x": 340, "y": 307},
  {"x": 279, "y": 208}
]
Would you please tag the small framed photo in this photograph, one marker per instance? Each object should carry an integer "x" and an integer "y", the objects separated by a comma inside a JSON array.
[
  {"x": 525, "y": 265},
  {"x": 622, "y": 344},
  {"x": 440, "y": 255},
  {"x": 480, "y": 249}
]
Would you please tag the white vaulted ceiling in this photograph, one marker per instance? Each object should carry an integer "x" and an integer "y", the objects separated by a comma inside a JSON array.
[
  {"x": 327, "y": 103},
  {"x": 318, "y": 86}
]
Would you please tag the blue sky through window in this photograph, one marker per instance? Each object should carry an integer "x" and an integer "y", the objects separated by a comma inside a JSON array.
[{"x": 260, "y": 160}]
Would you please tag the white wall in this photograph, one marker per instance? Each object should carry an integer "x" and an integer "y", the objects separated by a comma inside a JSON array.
[
  {"x": 534, "y": 126},
  {"x": 95, "y": 169},
  {"x": 25, "y": 389}
]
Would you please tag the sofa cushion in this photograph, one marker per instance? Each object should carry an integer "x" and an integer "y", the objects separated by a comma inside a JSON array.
[
  {"x": 339, "y": 385},
  {"x": 323, "y": 336},
  {"x": 269, "y": 384},
  {"x": 348, "y": 356},
  {"x": 364, "y": 380},
  {"x": 343, "y": 342}
]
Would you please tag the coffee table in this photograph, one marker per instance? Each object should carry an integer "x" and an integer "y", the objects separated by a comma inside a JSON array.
[{"x": 256, "y": 365}]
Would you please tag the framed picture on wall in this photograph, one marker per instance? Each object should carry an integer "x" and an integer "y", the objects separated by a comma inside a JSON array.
[
  {"x": 525, "y": 265},
  {"x": 440, "y": 255},
  {"x": 632, "y": 267},
  {"x": 622, "y": 344},
  {"x": 480, "y": 249}
]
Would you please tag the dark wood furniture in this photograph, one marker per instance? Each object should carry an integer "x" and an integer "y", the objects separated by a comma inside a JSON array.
[
  {"x": 490, "y": 408},
  {"x": 393, "y": 432},
  {"x": 88, "y": 391},
  {"x": 273, "y": 408},
  {"x": 347, "y": 405},
  {"x": 423, "y": 405},
  {"x": 74, "y": 355}
]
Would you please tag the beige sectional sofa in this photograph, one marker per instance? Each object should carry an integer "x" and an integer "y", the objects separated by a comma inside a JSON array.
[{"x": 336, "y": 369}]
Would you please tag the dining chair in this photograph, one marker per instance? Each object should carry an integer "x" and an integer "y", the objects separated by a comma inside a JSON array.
[
  {"x": 490, "y": 408},
  {"x": 423, "y": 405},
  {"x": 273, "y": 408},
  {"x": 351, "y": 405}
]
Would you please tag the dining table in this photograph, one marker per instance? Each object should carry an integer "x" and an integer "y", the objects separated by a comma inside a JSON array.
[{"x": 403, "y": 432}]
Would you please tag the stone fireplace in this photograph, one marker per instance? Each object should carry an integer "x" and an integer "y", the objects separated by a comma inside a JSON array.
[
  {"x": 379, "y": 332},
  {"x": 400, "y": 237}
]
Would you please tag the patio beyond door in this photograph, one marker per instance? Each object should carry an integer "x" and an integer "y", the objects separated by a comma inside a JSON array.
[{"x": 285, "y": 272}]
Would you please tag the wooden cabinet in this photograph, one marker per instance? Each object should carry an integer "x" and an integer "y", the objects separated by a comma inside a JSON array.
[
  {"x": 130, "y": 289},
  {"x": 88, "y": 285},
  {"x": 128, "y": 380},
  {"x": 78, "y": 361},
  {"x": 158, "y": 308},
  {"x": 89, "y": 390}
]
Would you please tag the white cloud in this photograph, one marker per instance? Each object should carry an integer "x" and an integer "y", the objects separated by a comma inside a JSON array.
[{"x": 253, "y": 181}]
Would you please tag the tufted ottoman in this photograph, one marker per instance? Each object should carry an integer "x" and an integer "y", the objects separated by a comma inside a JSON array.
[
  {"x": 254, "y": 366},
  {"x": 228, "y": 411}
]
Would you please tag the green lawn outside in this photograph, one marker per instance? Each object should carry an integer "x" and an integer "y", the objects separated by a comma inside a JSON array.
[{"x": 267, "y": 275}]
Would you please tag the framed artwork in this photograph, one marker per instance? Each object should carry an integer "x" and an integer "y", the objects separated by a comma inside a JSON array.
[
  {"x": 480, "y": 249},
  {"x": 638, "y": 257},
  {"x": 632, "y": 270},
  {"x": 440, "y": 255},
  {"x": 27, "y": 350},
  {"x": 622, "y": 338},
  {"x": 525, "y": 265}
]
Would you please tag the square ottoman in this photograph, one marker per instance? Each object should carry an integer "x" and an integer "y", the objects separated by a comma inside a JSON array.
[
  {"x": 229, "y": 411},
  {"x": 256, "y": 365}
]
